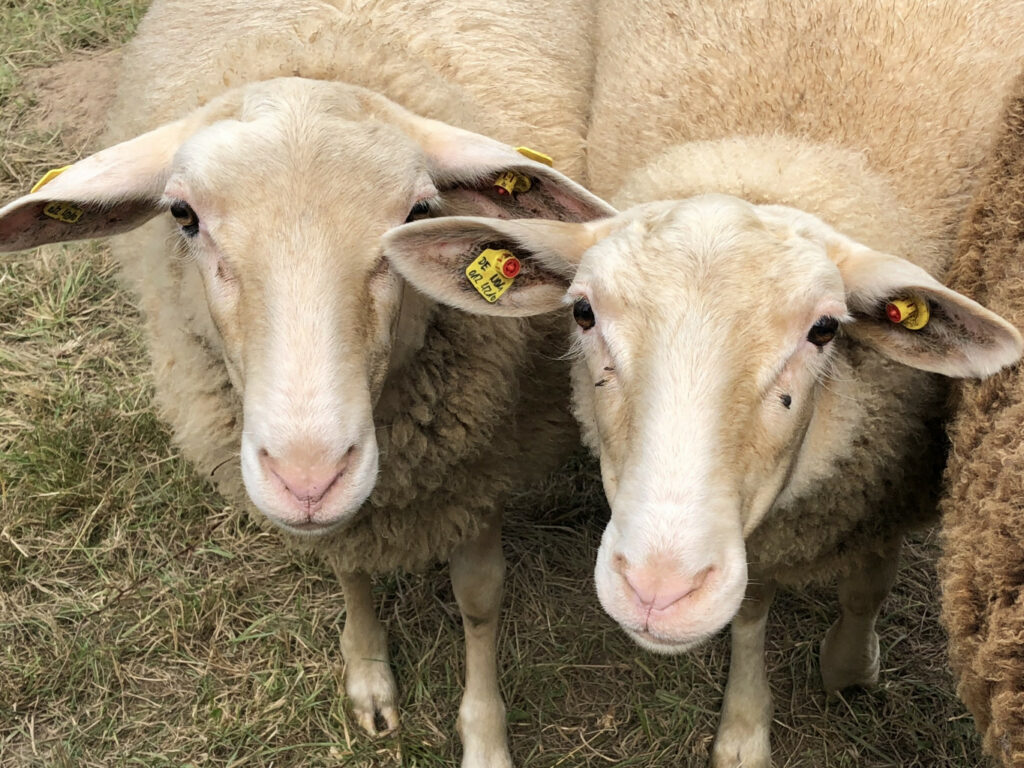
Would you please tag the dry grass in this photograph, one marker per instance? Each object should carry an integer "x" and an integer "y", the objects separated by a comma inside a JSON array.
[{"x": 144, "y": 622}]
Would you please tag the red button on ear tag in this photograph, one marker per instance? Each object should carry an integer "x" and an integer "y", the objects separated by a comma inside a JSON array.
[
  {"x": 511, "y": 266},
  {"x": 893, "y": 312}
]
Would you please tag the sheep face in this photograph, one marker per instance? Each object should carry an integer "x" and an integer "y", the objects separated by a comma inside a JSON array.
[
  {"x": 278, "y": 194},
  {"x": 704, "y": 340},
  {"x": 304, "y": 307},
  {"x": 711, "y": 335},
  {"x": 711, "y": 376}
]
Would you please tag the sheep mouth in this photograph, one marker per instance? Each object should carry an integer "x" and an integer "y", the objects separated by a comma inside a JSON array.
[
  {"x": 660, "y": 644},
  {"x": 310, "y": 529}
]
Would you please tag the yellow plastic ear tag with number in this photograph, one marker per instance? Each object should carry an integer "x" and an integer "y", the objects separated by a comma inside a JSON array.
[
  {"x": 493, "y": 272},
  {"x": 536, "y": 156},
  {"x": 912, "y": 312},
  {"x": 48, "y": 177},
  {"x": 66, "y": 212},
  {"x": 511, "y": 182}
]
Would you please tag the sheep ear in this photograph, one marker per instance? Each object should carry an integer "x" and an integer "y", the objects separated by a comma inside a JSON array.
[
  {"x": 945, "y": 332},
  {"x": 465, "y": 262},
  {"x": 479, "y": 176},
  {"x": 112, "y": 191}
]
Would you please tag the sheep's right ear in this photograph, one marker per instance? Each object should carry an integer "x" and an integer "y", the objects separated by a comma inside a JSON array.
[
  {"x": 461, "y": 261},
  {"x": 112, "y": 191}
]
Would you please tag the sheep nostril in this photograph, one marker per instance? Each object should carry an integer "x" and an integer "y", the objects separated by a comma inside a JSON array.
[{"x": 619, "y": 563}]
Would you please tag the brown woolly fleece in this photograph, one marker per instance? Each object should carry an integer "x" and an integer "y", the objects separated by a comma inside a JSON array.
[{"x": 982, "y": 565}]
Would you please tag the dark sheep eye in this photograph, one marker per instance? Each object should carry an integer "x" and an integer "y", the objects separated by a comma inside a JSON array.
[
  {"x": 186, "y": 217},
  {"x": 583, "y": 314},
  {"x": 823, "y": 331},
  {"x": 419, "y": 211}
]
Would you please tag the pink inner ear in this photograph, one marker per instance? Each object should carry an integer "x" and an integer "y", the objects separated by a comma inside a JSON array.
[
  {"x": 549, "y": 197},
  {"x": 574, "y": 208},
  {"x": 468, "y": 201},
  {"x": 27, "y": 226},
  {"x": 24, "y": 227}
]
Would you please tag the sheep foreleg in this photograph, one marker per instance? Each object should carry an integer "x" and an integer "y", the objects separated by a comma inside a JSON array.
[
  {"x": 742, "y": 738},
  {"x": 477, "y": 573},
  {"x": 364, "y": 644},
  {"x": 849, "y": 650}
]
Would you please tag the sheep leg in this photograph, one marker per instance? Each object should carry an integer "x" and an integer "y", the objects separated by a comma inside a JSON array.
[
  {"x": 742, "y": 738},
  {"x": 849, "y": 650},
  {"x": 477, "y": 572},
  {"x": 364, "y": 644}
]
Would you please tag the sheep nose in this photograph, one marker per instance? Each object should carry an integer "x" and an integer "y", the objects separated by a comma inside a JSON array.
[
  {"x": 658, "y": 589},
  {"x": 307, "y": 479}
]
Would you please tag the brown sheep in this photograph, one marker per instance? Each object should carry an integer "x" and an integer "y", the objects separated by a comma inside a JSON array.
[{"x": 982, "y": 566}]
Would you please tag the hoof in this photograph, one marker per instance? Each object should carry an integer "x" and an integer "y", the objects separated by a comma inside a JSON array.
[
  {"x": 845, "y": 664},
  {"x": 735, "y": 749},
  {"x": 372, "y": 693}
]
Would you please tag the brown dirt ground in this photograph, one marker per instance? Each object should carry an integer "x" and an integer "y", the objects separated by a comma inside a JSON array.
[{"x": 74, "y": 96}]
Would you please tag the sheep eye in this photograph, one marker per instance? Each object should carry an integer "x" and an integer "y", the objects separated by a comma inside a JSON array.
[
  {"x": 583, "y": 313},
  {"x": 186, "y": 217},
  {"x": 823, "y": 331},
  {"x": 419, "y": 211}
]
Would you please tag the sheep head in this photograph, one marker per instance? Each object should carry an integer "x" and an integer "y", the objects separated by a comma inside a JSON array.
[
  {"x": 712, "y": 337},
  {"x": 278, "y": 194}
]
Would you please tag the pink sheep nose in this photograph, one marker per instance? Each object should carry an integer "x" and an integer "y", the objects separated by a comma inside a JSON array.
[
  {"x": 308, "y": 481},
  {"x": 658, "y": 588}
]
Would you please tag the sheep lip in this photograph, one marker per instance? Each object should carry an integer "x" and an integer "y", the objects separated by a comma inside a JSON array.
[
  {"x": 311, "y": 528},
  {"x": 658, "y": 644}
]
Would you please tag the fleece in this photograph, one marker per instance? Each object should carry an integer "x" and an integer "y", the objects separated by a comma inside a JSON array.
[{"x": 982, "y": 565}]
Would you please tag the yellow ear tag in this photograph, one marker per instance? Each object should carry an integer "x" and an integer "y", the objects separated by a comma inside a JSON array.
[
  {"x": 510, "y": 182},
  {"x": 66, "y": 212},
  {"x": 911, "y": 312},
  {"x": 48, "y": 177},
  {"x": 493, "y": 272},
  {"x": 536, "y": 156}
]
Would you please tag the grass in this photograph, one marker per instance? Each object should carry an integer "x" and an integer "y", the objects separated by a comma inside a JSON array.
[{"x": 145, "y": 622}]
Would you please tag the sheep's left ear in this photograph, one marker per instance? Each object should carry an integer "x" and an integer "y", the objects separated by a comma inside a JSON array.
[
  {"x": 905, "y": 313},
  {"x": 478, "y": 176},
  {"x": 512, "y": 268}
]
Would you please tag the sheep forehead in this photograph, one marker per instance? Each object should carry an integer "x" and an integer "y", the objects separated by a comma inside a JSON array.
[
  {"x": 707, "y": 271},
  {"x": 298, "y": 163},
  {"x": 287, "y": 176}
]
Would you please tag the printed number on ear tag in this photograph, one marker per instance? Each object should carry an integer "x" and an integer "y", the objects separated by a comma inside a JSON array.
[
  {"x": 493, "y": 272},
  {"x": 66, "y": 212}
]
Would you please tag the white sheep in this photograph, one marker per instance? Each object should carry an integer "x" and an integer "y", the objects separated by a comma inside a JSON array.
[
  {"x": 751, "y": 367},
  {"x": 371, "y": 425}
]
